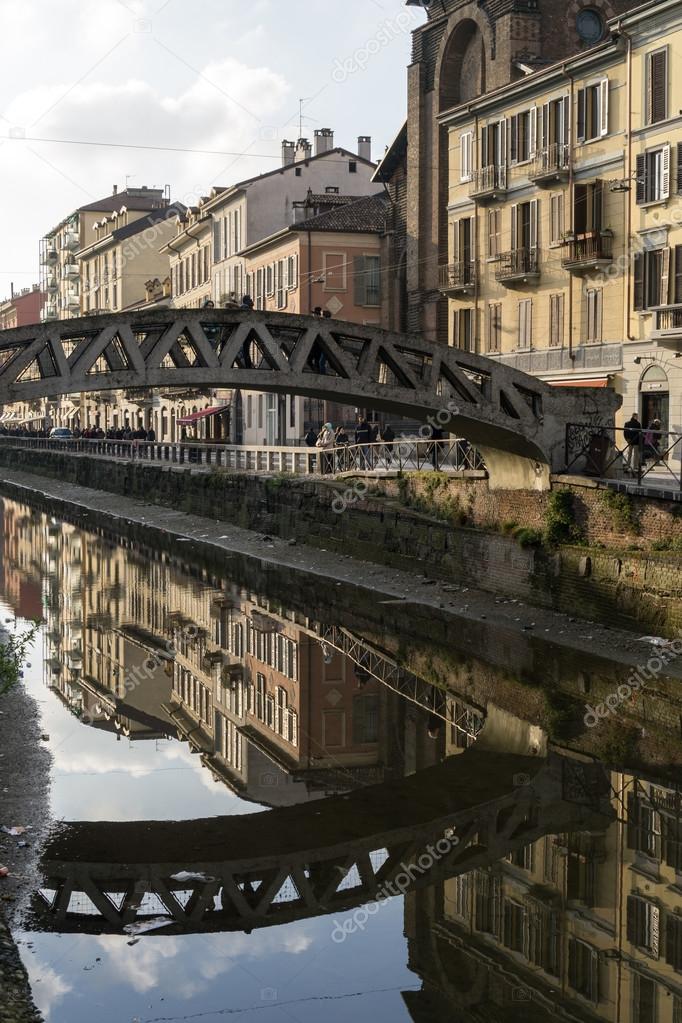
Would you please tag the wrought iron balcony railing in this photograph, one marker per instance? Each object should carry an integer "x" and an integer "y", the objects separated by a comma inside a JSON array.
[
  {"x": 488, "y": 181},
  {"x": 550, "y": 162},
  {"x": 460, "y": 276},
  {"x": 588, "y": 251},
  {"x": 517, "y": 265}
]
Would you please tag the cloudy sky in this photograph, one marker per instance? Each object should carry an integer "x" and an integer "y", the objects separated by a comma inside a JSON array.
[{"x": 220, "y": 76}]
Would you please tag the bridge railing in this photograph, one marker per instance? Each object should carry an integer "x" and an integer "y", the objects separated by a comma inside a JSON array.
[
  {"x": 402, "y": 454},
  {"x": 645, "y": 456}
]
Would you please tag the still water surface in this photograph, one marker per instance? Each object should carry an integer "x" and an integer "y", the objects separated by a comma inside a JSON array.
[{"x": 171, "y": 695}]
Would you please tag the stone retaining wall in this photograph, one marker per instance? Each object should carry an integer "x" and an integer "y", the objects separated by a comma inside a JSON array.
[{"x": 621, "y": 583}]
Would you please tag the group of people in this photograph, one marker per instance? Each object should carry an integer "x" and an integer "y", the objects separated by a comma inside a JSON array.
[
  {"x": 365, "y": 434},
  {"x": 643, "y": 444}
]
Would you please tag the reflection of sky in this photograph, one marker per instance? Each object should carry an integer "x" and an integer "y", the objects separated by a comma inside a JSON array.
[{"x": 289, "y": 973}]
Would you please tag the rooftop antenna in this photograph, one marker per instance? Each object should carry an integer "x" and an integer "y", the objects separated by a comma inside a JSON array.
[{"x": 301, "y": 117}]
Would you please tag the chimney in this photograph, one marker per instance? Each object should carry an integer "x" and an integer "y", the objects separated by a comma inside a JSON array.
[
  {"x": 324, "y": 140},
  {"x": 303, "y": 150},
  {"x": 288, "y": 149},
  {"x": 115, "y": 191},
  {"x": 365, "y": 147}
]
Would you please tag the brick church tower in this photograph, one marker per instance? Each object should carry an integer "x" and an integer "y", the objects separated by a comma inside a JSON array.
[{"x": 464, "y": 49}]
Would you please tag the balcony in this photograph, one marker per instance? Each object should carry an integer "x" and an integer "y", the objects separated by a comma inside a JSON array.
[
  {"x": 71, "y": 270},
  {"x": 49, "y": 257},
  {"x": 520, "y": 266},
  {"x": 488, "y": 183},
  {"x": 667, "y": 323},
  {"x": 587, "y": 252},
  {"x": 550, "y": 164},
  {"x": 457, "y": 278}
]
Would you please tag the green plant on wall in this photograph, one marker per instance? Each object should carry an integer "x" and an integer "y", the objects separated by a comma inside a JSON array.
[
  {"x": 621, "y": 507},
  {"x": 560, "y": 520}
]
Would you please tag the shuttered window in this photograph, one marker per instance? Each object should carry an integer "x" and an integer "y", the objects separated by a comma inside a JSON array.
[
  {"x": 673, "y": 942},
  {"x": 466, "y": 147},
  {"x": 593, "y": 305},
  {"x": 653, "y": 175},
  {"x": 583, "y": 969},
  {"x": 367, "y": 280},
  {"x": 556, "y": 320},
  {"x": 494, "y": 232},
  {"x": 464, "y": 329},
  {"x": 494, "y": 326},
  {"x": 643, "y": 922},
  {"x": 525, "y": 337},
  {"x": 657, "y": 86},
  {"x": 556, "y": 218},
  {"x": 593, "y": 111},
  {"x": 677, "y": 290}
]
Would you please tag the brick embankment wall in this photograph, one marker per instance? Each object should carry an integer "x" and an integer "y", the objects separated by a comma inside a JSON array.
[{"x": 457, "y": 530}]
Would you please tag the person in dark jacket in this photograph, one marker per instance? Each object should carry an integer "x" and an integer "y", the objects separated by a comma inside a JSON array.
[
  {"x": 388, "y": 437},
  {"x": 632, "y": 433},
  {"x": 363, "y": 437}
]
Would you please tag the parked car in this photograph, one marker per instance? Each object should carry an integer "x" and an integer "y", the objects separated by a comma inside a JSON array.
[{"x": 61, "y": 433}]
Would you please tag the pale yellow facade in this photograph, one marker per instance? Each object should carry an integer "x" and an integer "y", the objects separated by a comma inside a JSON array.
[{"x": 564, "y": 219}]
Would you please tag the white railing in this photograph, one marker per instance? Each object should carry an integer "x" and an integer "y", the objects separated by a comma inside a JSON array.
[{"x": 407, "y": 454}]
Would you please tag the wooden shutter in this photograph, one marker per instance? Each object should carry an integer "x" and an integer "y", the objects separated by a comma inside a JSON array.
[
  {"x": 582, "y": 106},
  {"x": 641, "y": 190},
  {"x": 664, "y": 291},
  {"x": 664, "y": 192},
  {"x": 677, "y": 290},
  {"x": 544, "y": 125},
  {"x": 359, "y": 279},
  {"x": 465, "y": 156},
  {"x": 502, "y": 144},
  {"x": 534, "y": 217},
  {"x": 532, "y": 131},
  {"x": 604, "y": 107},
  {"x": 485, "y": 146},
  {"x": 657, "y": 86},
  {"x": 639, "y": 280},
  {"x": 514, "y": 138},
  {"x": 679, "y": 166}
]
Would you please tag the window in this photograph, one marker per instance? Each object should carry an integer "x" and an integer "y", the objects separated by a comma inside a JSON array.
[
  {"x": 366, "y": 718},
  {"x": 593, "y": 111},
  {"x": 522, "y": 135},
  {"x": 466, "y": 151},
  {"x": 653, "y": 175},
  {"x": 525, "y": 335},
  {"x": 515, "y": 925},
  {"x": 644, "y": 1000},
  {"x": 292, "y": 272},
  {"x": 673, "y": 941},
  {"x": 556, "y": 218},
  {"x": 270, "y": 280},
  {"x": 652, "y": 273},
  {"x": 334, "y": 271},
  {"x": 494, "y": 232},
  {"x": 644, "y": 827},
  {"x": 367, "y": 280},
  {"x": 643, "y": 920},
  {"x": 556, "y": 320},
  {"x": 460, "y": 902},
  {"x": 462, "y": 249},
  {"x": 583, "y": 969},
  {"x": 260, "y": 427},
  {"x": 488, "y": 900},
  {"x": 279, "y": 284},
  {"x": 352, "y": 167},
  {"x": 524, "y": 226},
  {"x": 522, "y": 857},
  {"x": 677, "y": 290},
  {"x": 593, "y": 309},
  {"x": 588, "y": 208},
  {"x": 494, "y": 326},
  {"x": 494, "y": 145},
  {"x": 249, "y": 411},
  {"x": 464, "y": 329},
  {"x": 217, "y": 241},
  {"x": 657, "y": 86},
  {"x": 553, "y": 127}
]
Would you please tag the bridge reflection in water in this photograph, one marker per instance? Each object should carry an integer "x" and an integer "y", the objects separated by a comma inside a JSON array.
[{"x": 536, "y": 884}]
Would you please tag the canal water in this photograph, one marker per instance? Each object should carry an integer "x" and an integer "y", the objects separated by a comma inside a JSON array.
[{"x": 198, "y": 728}]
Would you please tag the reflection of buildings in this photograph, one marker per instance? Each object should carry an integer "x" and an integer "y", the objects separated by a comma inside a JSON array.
[
  {"x": 136, "y": 645},
  {"x": 582, "y": 926}
]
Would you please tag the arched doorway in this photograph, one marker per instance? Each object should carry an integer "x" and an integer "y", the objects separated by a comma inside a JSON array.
[{"x": 654, "y": 397}]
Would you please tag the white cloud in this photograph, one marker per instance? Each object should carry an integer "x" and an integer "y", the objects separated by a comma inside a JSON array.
[{"x": 48, "y": 987}]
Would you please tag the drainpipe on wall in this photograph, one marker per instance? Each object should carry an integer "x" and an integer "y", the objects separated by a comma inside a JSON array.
[
  {"x": 477, "y": 235},
  {"x": 571, "y": 199},
  {"x": 628, "y": 197},
  {"x": 310, "y": 273}
]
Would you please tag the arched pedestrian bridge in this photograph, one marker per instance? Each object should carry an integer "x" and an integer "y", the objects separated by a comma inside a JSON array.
[
  {"x": 316, "y": 858},
  {"x": 516, "y": 421}
]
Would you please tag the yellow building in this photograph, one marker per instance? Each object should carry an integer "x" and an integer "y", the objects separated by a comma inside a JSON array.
[{"x": 564, "y": 240}]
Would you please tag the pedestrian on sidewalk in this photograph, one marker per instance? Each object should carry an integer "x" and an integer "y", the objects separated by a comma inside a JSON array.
[{"x": 632, "y": 433}]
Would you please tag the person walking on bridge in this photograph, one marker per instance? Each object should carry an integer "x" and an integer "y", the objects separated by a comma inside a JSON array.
[
  {"x": 632, "y": 433},
  {"x": 325, "y": 443}
]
